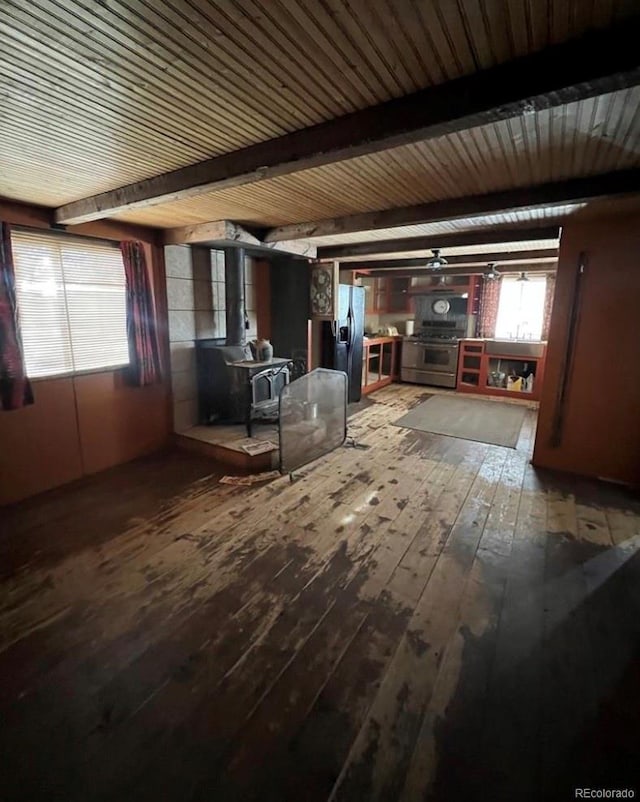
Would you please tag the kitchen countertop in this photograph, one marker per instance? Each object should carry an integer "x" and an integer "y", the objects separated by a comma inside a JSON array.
[
  {"x": 493, "y": 346},
  {"x": 499, "y": 340},
  {"x": 378, "y": 339}
]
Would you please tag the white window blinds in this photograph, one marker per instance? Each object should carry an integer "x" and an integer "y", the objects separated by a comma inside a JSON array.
[{"x": 71, "y": 301}]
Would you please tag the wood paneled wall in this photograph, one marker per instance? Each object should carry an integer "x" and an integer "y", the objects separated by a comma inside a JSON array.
[
  {"x": 601, "y": 432},
  {"x": 86, "y": 423}
]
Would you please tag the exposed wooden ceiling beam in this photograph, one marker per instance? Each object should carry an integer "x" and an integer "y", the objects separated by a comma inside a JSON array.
[
  {"x": 499, "y": 257},
  {"x": 596, "y": 63},
  {"x": 527, "y": 267},
  {"x": 574, "y": 190},
  {"x": 226, "y": 233},
  {"x": 201, "y": 232},
  {"x": 461, "y": 240}
]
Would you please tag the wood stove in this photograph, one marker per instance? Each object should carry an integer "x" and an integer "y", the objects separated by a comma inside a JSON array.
[
  {"x": 234, "y": 388},
  {"x": 266, "y": 386},
  {"x": 257, "y": 386}
]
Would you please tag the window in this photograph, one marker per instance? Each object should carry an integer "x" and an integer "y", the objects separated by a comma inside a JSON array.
[
  {"x": 521, "y": 308},
  {"x": 72, "y": 303}
]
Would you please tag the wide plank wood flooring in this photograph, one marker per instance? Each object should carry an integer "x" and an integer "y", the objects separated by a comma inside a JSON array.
[{"x": 423, "y": 619}]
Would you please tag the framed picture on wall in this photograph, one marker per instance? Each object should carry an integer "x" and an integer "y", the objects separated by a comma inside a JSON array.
[{"x": 324, "y": 290}]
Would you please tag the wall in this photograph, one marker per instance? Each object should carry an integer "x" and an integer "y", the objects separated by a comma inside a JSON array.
[
  {"x": 374, "y": 322},
  {"x": 601, "y": 434},
  {"x": 89, "y": 422},
  {"x": 250, "y": 302},
  {"x": 190, "y": 303},
  {"x": 262, "y": 297},
  {"x": 290, "y": 308},
  {"x": 197, "y": 305}
]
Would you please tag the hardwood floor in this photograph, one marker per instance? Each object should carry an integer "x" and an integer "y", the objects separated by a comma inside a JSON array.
[{"x": 424, "y": 619}]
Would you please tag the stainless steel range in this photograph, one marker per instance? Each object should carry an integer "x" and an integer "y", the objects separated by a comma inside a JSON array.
[{"x": 431, "y": 355}]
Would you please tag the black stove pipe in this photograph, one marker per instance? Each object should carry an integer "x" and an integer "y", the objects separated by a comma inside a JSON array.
[{"x": 234, "y": 288}]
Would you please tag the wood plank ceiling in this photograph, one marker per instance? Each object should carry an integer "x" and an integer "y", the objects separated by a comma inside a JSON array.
[
  {"x": 584, "y": 138},
  {"x": 96, "y": 95}
]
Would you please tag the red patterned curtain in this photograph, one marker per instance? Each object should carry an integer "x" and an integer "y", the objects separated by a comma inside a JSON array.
[
  {"x": 488, "y": 313},
  {"x": 548, "y": 305},
  {"x": 15, "y": 388},
  {"x": 144, "y": 353}
]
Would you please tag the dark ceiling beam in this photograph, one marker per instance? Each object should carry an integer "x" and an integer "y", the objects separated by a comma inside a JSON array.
[
  {"x": 462, "y": 240},
  {"x": 527, "y": 267},
  {"x": 596, "y": 63},
  {"x": 573, "y": 190},
  {"x": 548, "y": 254}
]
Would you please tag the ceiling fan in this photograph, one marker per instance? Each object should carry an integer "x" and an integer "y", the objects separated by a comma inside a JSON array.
[
  {"x": 492, "y": 273},
  {"x": 436, "y": 261}
]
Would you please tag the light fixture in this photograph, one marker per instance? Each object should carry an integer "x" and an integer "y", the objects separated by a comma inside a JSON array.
[
  {"x": 523, "y": 277},
  {"x": 436, "y": 260},
  {"x": 491, "y": 273}
]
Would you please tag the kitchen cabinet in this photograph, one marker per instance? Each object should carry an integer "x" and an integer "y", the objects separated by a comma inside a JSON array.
[
  {"x": 380, "y": 362},
  {"x": 470, "y": 365},
  {"x": 395, "y": 294},
  {"x": 369, "y": 286},
  {"x": 380, "y": 290},
  {"x": 427, "y": 282},
  {"x": 391, "y": 294},
  {"x": 398, "y": 298},
  {"x": 487, "y": 373}
]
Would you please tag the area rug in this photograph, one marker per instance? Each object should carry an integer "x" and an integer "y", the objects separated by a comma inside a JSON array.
[{"x": 469, "y": 419}]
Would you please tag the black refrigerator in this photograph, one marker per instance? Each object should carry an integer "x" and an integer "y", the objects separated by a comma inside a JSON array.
[{"x": 342, "y": 339}]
